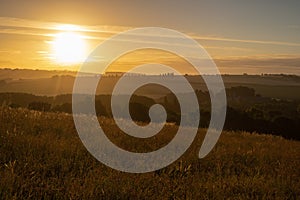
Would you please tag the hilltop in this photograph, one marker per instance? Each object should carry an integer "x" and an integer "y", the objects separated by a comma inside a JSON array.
[{"x": 41, "y": 156}]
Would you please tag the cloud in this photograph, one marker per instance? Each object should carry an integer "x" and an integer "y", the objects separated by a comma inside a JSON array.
[
  {"x": 271, "y": 60},
  {"x": 229, "y": 48},
  {"x": 262, "y": 42},
  {"x": 261, "y": 64},
  {"x": 9, "y": 51},
  {"x": 27, "y": 27},
  {"x": 32, "y": 27},
  {"x": 100, "y": 32}
]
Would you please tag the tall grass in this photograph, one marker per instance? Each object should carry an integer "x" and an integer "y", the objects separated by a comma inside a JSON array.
[{"x": 41, "y": 157}]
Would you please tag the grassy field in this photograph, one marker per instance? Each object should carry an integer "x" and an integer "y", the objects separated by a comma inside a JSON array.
[
  {"x": 51, "y": 83},
  {"x": 42, "y": 157}
]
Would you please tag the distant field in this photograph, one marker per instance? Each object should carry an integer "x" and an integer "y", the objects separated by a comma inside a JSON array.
[
  {"x": 41, "y": 157},
  {"x": 52, "y": 83}
]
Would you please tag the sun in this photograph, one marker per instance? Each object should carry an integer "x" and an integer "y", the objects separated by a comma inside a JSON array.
[{"x": 69, "y": 48}]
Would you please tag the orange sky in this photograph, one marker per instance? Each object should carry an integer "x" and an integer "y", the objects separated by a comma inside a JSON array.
[{"x": 238, "y": 40}]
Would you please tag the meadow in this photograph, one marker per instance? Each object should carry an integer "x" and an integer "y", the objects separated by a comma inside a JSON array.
[
  {"x": 42, "y": 157},
  {"x": 52, "y": 83}
]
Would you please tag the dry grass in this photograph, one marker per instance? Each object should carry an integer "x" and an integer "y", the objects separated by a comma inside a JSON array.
[{"x": 41, "y": 157}]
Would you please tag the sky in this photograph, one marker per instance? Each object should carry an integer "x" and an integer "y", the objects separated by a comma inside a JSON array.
[{"x": 257, "y": 36}]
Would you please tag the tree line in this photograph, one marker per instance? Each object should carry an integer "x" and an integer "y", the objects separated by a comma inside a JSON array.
[{"x": 246, "y": 110}]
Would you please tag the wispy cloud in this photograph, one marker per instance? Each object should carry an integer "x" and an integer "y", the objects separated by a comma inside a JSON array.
[
  {"x": 36, "y": 29},
  {"x": 229, "y": 48},
  {"x": 279, "y": 62},
  {"x": 263, "y": 42},
  {"x": 33, "y": 27},
  {"x": 10, "y": 51},
  {"x": 25, "y": 26}
]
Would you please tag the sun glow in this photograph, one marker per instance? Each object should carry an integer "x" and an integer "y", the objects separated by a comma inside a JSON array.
[
  {"x": 68, "y": 27},
  {"x": 69, "y": 48}
]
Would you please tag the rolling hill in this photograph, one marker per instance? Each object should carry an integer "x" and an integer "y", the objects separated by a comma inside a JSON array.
[{"x": 42, "y": 157}]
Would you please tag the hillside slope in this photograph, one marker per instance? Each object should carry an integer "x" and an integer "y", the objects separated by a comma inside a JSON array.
[{"x": 41, "y": 156}]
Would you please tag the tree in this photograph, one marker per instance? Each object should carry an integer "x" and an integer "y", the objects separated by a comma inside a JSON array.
[{"x": 40, "y": 106}]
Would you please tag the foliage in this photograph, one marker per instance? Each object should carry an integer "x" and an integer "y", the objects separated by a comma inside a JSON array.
[{"x": 246, "y": 110}]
